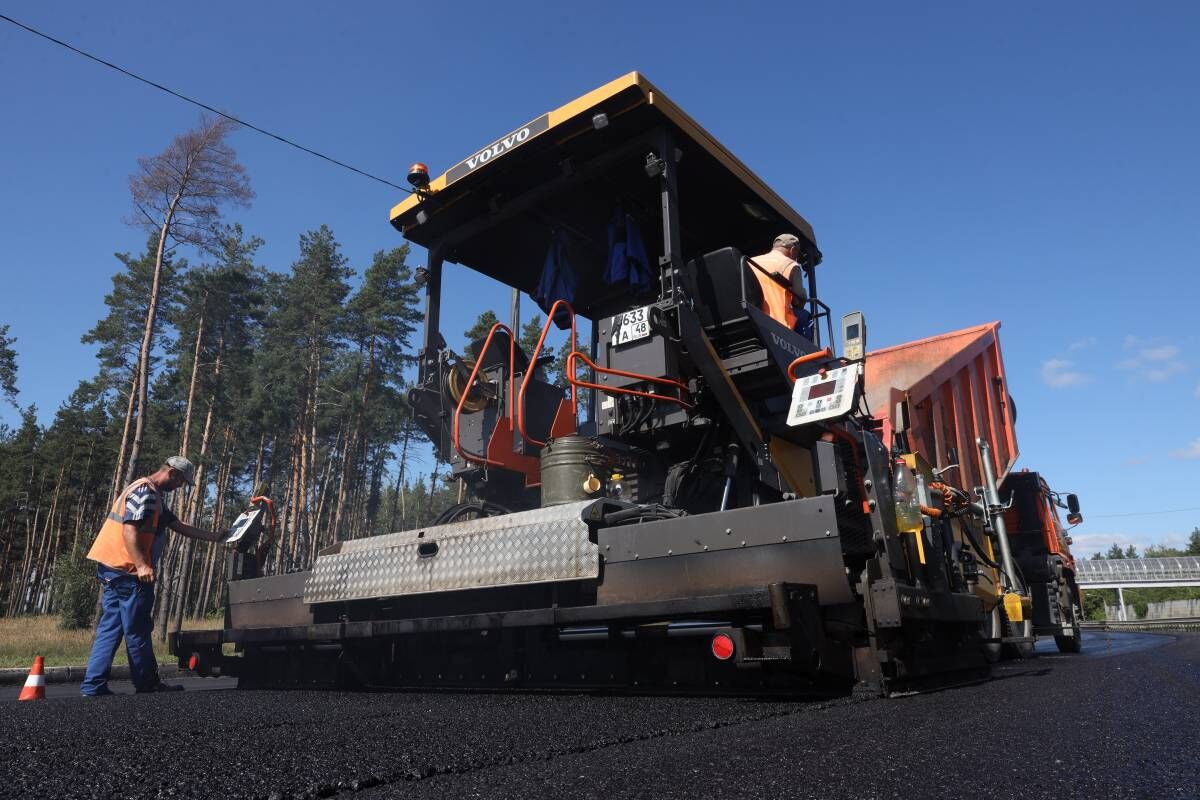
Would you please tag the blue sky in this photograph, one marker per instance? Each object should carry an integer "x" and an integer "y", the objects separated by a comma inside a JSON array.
[{"x": 959, "y": 162}]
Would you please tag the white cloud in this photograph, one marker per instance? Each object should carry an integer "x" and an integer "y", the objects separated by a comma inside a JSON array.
[
  {"x": 1189, "y": 452},
  {"x": 1152, "y": 362},
  {"x": 1081, "y": 344},
  {"x": 1164, "y": 352},
  {"x": 1084, "y": 545},
  {"x": 1059, "y": 373}
]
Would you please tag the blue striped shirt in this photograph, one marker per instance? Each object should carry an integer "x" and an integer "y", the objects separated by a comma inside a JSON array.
[{"x": 139, "y": 506}]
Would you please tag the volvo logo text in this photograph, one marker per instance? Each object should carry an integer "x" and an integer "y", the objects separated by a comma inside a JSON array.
[{"x": 498, "y": 148}]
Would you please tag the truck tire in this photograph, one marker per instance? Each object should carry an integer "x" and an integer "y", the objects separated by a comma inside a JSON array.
[
  {"x": 1071, "y": 644},
  {"x": 992, "y": 629},
  {"x": 1024, "y": 629}
]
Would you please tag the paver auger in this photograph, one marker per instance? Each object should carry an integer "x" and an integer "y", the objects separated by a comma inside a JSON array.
[{"x": 711, "y": 506}]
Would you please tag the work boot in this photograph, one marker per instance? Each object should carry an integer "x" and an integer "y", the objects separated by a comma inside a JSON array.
[{"x": 161, "y": 687}]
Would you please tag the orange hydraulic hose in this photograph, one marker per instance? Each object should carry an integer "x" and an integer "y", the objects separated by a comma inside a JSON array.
[
  {"x": 530, "y": 370},
  {"x": 817, "y": 356},
  {"x": 576, "y": 354},
  {"x": 512, "y": 356}
]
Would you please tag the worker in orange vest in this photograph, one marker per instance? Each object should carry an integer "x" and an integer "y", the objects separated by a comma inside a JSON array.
[
  {"x": 785, "y": 303},
  {"x": 126, "y": 552}
]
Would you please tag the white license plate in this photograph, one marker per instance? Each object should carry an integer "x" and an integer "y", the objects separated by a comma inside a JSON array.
[{"x": 631, "y": 326}]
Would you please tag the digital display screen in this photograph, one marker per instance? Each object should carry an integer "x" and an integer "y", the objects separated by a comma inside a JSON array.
[
  {"x": 821, "y": 389},
  {"x": 851, "y": 332}
]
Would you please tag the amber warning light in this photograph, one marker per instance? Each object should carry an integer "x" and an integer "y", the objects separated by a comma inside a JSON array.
[{"x": 418, "y": 176}]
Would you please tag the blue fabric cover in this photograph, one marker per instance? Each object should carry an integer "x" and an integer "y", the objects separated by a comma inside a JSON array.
[
  {"x": 628, "y": 262},
  {"x": 558, "y": 281}
]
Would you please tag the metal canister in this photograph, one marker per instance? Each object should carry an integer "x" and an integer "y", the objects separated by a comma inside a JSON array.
[{"x": 571, "y": 470}]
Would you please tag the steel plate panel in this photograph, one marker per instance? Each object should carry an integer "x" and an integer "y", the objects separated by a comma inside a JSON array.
[{"x": 540, "y": 546}]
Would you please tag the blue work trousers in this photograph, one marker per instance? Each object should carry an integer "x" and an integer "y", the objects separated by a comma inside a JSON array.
[{"x": 126, "y": 610}]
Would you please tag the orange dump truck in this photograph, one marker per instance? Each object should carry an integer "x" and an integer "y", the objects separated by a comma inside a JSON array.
[{"x": 949, "y": 396}]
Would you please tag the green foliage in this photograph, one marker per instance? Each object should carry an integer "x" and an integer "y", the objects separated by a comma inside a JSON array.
[
  {"x": 482, "y": 325},
  {"x": 119, "y": 333},
  {"x": 1094, "y": 602},
  {"x": 1193, "y": 548},
  {"x": 75, "y": 594},
  {"x": 8, "y": 366},
  {"x": 530, "y": 332},
  {"x": 1162, "y": 551}
]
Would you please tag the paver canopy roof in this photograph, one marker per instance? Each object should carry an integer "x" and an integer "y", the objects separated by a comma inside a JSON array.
[{"x": 494, "y": 211}]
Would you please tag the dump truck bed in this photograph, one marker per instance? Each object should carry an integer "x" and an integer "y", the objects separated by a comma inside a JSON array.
[{"x": 956, "y": 390}]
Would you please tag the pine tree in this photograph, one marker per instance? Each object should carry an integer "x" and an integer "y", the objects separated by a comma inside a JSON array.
[
  {"x": 178, "y": 196},
  {"x": 381, "y": 319},
  {"x": 119, "y": 336},
  {"x": 8, "y": 366},
  {"x": 305, "y": 340},
  {"x": 482, "y": 325}
]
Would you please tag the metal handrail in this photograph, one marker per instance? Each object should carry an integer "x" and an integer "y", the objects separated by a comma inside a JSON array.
[
  {"x": 512, "y": 357},
  {"x": 530, "y": 370},
  {"x": 576, "y": 354},
  {"x": 817, "y": 355}
]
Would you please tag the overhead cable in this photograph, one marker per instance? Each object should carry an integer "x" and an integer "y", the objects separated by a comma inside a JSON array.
[{"x": 205, "y": 106}]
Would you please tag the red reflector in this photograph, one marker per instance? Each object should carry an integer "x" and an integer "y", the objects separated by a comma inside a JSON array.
[
  {"x": 193, "y": 662},
  {"x": 722, "y": 646}
]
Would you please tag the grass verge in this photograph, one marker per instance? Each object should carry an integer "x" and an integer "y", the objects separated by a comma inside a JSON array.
[{"x": 22, "y": 638}]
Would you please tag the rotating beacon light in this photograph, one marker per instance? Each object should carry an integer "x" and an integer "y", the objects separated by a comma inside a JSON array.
[{"x": 418, "y": 176}]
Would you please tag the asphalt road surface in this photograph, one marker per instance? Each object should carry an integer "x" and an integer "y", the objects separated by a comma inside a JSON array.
[{"x": 1119, "y": 721}]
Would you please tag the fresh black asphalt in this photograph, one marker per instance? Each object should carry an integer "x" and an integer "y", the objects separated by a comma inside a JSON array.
[{"x": 1119, "y": 721}]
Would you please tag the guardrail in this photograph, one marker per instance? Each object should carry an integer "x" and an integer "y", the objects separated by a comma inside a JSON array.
[{"x": 1177, "y": 624}]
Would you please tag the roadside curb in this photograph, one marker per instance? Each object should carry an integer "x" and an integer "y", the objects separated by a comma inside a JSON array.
[{"x": 11, "y": 675}]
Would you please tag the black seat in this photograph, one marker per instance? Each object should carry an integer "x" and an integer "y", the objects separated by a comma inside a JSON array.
[{"x": 725, "y": 285}]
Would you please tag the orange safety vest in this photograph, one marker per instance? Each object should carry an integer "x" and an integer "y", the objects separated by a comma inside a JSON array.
[
  {"x": 109, "y": 548},
  {"x": 777, "y": 301}
]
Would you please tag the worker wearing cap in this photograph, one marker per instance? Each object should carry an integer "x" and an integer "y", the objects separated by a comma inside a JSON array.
[
  {"x": 126, "y": 552},
  {"x": 785, "y": 303}
]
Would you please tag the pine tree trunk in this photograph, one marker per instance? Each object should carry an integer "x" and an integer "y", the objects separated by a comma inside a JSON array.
[
  {"x": 295, "y": 491},
  {"x": 395, "y": 501},
  {"x": 32, "y": 542},
  {"x": 119, "y": 472},
  {"x": 187, "y": 414},
  {"x": 52, "y": 554},
  {"x": 148, "y": 342},
  {"x": 203, "y": 603},
  {"x": 400, "y": 478},
  {"x": 322, "y": 493},
  {"x": 82, "y": 505},
  {"x": 6, "y": 571},
  {"x": 310, "y": 522},
  {"x": 180, "y": 587},
  {"x": 343, "y": 481},
  {"x": 258, "y": 461}
]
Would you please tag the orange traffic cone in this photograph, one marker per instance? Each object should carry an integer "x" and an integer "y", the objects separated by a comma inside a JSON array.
[{"x": 35, "y": 684}]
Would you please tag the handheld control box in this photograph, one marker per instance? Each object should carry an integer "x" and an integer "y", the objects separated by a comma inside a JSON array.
[
  {"x": 819, "y": 397},
  {"x": 243, "y": 535},
  {"x": 854, "y": 336}
]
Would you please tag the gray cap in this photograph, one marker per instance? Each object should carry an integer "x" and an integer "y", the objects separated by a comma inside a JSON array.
[
  {"x": 786, "y": 240},
  {"x": 182, "y": 466}
]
